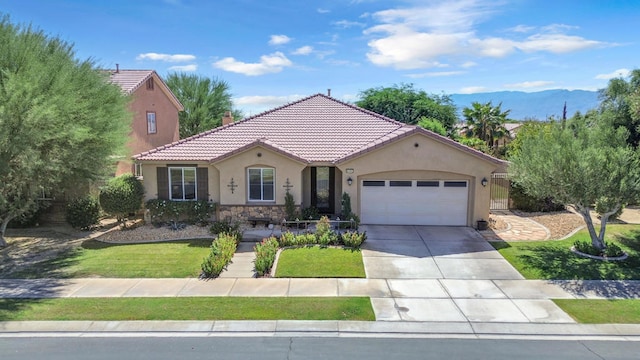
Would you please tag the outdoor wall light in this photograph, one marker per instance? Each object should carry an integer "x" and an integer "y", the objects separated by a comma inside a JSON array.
[
  {"x": 484, "y": 182},
  {"x": 349, "y": 181}
]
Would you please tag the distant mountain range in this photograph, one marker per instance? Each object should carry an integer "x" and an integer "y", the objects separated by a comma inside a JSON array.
[{"x": 534, "y": 105}]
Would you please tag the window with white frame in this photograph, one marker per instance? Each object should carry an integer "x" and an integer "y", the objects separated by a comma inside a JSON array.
[
  {"x": 137, "y": 170},
  {"x": 182, "y": 183},
  {"x": 151, "y": 123},
  {"x": 261, "y": 184}
]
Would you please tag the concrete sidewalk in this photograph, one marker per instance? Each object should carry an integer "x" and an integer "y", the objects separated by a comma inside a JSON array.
[
  {"x": 430, "y": 300},
  {"x": 420, "y": 307}
]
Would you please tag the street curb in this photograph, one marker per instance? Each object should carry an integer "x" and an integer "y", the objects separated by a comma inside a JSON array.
[{"x": 292, "y": 328}]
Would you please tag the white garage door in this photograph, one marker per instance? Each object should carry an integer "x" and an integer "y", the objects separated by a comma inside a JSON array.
[{"x": 414, "y": 202}]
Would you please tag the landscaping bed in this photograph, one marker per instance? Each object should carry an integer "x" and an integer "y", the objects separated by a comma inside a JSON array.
[
  {"x": 559, "y": 223},
  {"x": 553, "y": 259}
]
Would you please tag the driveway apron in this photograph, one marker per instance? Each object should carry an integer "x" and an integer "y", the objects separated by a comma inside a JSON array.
[{"x": 438, "y": 273}]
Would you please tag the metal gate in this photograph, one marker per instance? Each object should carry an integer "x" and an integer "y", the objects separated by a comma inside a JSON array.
[{"x": 500, "y": 186}]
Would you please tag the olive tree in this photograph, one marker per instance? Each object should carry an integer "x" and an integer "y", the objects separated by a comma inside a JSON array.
[
  {"x": 585, "y": 163},
  {"x": 61, "y": 121}
]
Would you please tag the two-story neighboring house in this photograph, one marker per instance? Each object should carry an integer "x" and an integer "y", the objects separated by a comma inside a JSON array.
[{"x": 155, "y": 113}]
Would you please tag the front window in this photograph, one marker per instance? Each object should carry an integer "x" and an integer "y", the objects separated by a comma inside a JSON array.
[
  {"x": 261, "y": 184},
  {"x": 151, "y": 123},
  {"x": 182, "y": 183}
]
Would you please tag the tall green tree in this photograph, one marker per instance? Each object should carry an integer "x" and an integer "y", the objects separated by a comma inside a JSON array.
[
  {"x": 584, "y": 162},
  {"x": 485, "y": 122},
  {"x": 408, "y": 105},
  {"x": 621, "y": 98},
  {"x": 61, "y": 121},
  {"x": 205, "y": 101}
]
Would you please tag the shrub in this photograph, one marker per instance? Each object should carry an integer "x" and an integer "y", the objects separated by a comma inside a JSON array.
[
  {"x": 82, "y": 213},
  {"x": 224, "y": 226},
  {"x": 310, "y": 213},
  {"x": 287, "y": 239},
  {"x": 525, "y": 202},
  {"x": 265, "y": 255},
  {"x": 353, "y": 239},
  {"x": 194, "y": 212},
  {"x": 290, "y": 207},
  {"x": 611, "y": 250},
  {"x": 602, "y": 205},
  {"x": 122, "y": 196},
  {"x": 220, "y": 255},
  {"x": 346, "y": 205}
]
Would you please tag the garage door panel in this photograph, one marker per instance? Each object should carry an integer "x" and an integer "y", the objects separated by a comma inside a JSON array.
[{"x": 415, "y": 205}]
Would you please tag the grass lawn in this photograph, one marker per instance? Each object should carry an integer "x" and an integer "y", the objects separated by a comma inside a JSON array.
[
  {"x": 320, "y": 262},
  {"x": 553, "y": 260},
  {"x": 625, "y": 311},
  {"x": 188, "y": 308},
  {"x": 171, "y": 259}
]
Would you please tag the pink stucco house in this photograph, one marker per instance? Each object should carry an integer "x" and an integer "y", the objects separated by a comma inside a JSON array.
[{"x": 155, "y": 113}]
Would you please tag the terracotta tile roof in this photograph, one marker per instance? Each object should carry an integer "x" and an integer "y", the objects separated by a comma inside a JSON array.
[
  {"x": 131, "y": 80},
  {"x": 314, "y": 129}
]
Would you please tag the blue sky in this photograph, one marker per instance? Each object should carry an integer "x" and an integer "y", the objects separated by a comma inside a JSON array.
[{"x": 275, "y": 51}]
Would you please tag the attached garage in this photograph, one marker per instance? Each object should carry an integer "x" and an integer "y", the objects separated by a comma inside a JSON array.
[{"x": 414, "y": 202}]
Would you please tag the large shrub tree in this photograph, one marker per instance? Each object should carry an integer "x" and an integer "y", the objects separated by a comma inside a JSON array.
[
  {"x": 408, "y": 105},
  {"x": 584, "y": 162},
  {"x": 621, "y": 98},
  {"x": 61, "y": 121},
  {"x": 205, "y": 101}
]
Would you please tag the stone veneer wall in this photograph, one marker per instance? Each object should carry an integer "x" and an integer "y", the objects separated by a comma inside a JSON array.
[{"x": 243, "y": 212}]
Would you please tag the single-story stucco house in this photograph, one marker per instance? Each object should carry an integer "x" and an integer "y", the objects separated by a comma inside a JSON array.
[{"x": 317, "y": 148}]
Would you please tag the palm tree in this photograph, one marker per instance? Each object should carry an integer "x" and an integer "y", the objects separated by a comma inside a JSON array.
[
  {"x": 205, "y": 101},
  {"x": 485, "y": 122}
]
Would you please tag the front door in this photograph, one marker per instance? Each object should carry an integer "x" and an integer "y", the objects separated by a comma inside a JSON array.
[{"x": 323, "y": 189}]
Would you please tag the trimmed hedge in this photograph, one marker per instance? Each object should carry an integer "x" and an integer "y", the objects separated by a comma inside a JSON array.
[
  {"x": 82, "y": 213},
  {"x": 193, "y": 212},
  {"x": 122, "y": 196},
  {"x": 222, "y": 250},
  {"x": 265, "y": 255}
]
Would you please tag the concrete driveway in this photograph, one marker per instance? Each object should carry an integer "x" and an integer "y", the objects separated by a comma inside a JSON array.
[
  {"x": 432, "y": 252},
  {"x": 448, "y": 274}
]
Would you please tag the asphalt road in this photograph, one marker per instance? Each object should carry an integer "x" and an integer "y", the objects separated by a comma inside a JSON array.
[{"x": 265, "y": 348}]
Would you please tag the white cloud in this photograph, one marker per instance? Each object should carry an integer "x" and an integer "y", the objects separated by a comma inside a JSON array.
[
  {"x": 420, "y": 37},
  {"x": 435, "y": 74},
  {"x": 615, "y": 74},
  {"x": 323, "y": 11},
  {"x": 529, "y": 84},
  {"x": 468, "y": 64},
  {"x": 345, "y": 24},
  {"x": 305, "y": 50},
  {"x": 185, "y": 68},
  {"x": 522, "y": 28},
  {"x": 166, "y": 57},
  {"x": 272, "y": 63},
  {"x": 473, "y": 89},
  {"x": 556, "y": 43},
  {"x": 279, "y": 39}
]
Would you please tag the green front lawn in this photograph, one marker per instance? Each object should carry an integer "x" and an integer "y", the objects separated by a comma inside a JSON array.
[
  {"x": 188, "y": 308},
  {"x": 553, "y": 260},
  {"x": 171, "y": 259},
  {"x": 625, "y": 311},
  {"x": 320, "y": 262}
]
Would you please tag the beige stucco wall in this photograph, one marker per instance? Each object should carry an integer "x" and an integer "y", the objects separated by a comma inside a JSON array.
[
  {"x": 420, "y": 157},
  {"x": 167, "y": 122},
  {"x": 236, "y": 167}
]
